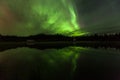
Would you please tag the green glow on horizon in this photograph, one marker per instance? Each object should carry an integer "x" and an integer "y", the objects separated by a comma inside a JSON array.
[{"x": 78, "y": 33}]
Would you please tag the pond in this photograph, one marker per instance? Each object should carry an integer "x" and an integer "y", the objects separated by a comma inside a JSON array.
[{"x": 68, "y": 63}]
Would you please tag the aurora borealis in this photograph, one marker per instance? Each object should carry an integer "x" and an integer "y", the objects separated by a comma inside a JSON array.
[
  {"x": 66, "y": 17},
  {"x": 25, "y": 18}
]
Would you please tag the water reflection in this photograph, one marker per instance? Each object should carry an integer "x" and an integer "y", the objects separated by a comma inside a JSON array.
[{"x": 70, "y": 63}]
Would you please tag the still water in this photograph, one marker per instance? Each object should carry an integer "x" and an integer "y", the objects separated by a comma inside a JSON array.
[{"x": 69, "y": 63}]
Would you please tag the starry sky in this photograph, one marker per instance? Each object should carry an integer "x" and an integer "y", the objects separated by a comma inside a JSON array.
[{"x": 66, "y": 17}]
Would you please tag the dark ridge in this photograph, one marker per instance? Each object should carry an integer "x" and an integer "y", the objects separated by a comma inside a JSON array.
[{"x": 57, "y": 37}]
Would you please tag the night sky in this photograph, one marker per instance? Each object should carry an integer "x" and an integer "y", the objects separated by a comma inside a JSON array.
[
  {"x": 99, "y": 16},
  {"x": 66, "y": 17}
]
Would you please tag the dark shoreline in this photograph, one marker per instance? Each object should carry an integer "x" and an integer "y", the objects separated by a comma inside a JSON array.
[{"x": 59, "y": 44}]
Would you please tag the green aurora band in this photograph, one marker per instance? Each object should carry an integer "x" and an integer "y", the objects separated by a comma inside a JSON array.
[{"x": 32, "y": 17}]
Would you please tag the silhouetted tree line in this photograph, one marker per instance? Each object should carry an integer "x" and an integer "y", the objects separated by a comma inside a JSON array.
[
  {"x": 100, "y": 37},
  {"x": 40, "y": 37},
  {"x": 58, "y": 37}
]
